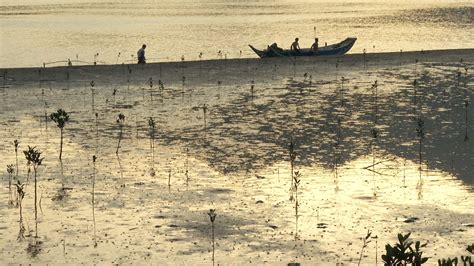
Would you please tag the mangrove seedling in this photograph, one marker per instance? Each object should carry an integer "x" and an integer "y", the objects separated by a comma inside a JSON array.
[
  {"x": 292, "y": 155},
  {"x": 415, "y": 85},
  {"x": 169, "y": 178},
  {"x": 32, "y": 156},
  {"x": 61, "y": 117},
  {"x": 375, "y": 94},
  {"x": 150, "y": 83},
  {"x": 296, "y": 183},
  {"x": 10, "y": 174},
  {"x": 94, "y": 158},
  {"x": 113, "y": 95},
  {"x": 151, "y": 126},
  {"x": 92, "y": 93},
  {"x": 252, "y": 89},
  {"x": 375, "y": 134},
  {"x": 402, "y": 253},
  {"x": 16, "y": 143},
  {"x": 121, "y": 123},
  {"x": 420, "y": 132},
  {"x": 366, "y": 241},
  {"x": 466, "y": 105},
  {"x": 212, "y": 216},
  {"x": 21, "y": 195}
]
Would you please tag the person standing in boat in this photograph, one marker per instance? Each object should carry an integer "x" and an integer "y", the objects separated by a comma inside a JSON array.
[
  {"x": 295, "y": 47},
  {"x": 141, "y": 55},
  {"x": 315, "y": 45}
]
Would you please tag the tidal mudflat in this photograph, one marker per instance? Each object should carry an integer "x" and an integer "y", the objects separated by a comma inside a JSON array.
[{"x": 378, "y": 142}]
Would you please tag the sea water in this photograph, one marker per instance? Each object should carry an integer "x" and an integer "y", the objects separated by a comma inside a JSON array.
[{"x": 108, "y": 32}]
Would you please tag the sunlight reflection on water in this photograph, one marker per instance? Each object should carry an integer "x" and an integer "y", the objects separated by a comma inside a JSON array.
[{"x": 32, "y": 34}]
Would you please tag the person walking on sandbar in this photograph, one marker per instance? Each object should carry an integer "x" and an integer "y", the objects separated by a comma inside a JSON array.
[{"x": 141, "y": 55}]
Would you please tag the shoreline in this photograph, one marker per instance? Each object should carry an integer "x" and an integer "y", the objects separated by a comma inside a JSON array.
[
  {"x": 424, "y": 54},
  {"x": 230, "y": 71}
]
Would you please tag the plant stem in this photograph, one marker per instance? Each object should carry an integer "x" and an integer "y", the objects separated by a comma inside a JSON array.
[
  {"x": 213, "y": 244},
  {"x": 61, "y": 145}
]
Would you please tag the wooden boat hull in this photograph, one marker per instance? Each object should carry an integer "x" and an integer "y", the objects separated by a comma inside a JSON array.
[{"x": 334, "y": 49}]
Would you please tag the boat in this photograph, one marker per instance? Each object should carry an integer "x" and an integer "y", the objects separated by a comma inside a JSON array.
[{"x": 333, "y": 49}]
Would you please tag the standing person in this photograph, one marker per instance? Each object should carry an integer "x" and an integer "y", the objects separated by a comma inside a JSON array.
[
  {"x": 295, "y": 47},
  {"x": 315, "y": 45},
  {"x": 141, "y": 55}
]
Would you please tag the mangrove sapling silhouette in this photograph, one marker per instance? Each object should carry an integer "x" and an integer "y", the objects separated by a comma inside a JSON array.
[
  {"x": 150, "y": 83},
  {"x": 16, "y": 143},
  {"x": 200, "y": 63},
  {"x": 61, "y": 117},
  {"x": 336, "y": 152},
  {"x": 32, "y": 156},
  {"x": 415, "y": 85},
  {"x": 113, "y": 95},
  {"x": 251, "y": 89},
  {"x": 341, "y": 91},
  {"x": 212, "y": 216},
  {"x": 92, "y": 83},
  {"x": 366, "y": 241},
  {"x": 402, "y": 253},
  {"x": 121, "y": 123},
  {"x": 94, "y": 158},
  {"x": 129, "y": 73},
  {"x": 21, "y": 195},
  {"x": 292, "y": 155},
  {"x": 186, "y": 167},
  {"x": 466, "y": 105},
  {"x": 466, "y": 260},
  {"x": 169, "y": 179},
  {"x": 151, "y": 128},
  {"x": 375, "y": 95},
  {"x": 97, "y": 124},
  {"x": 10, "y": 171},
  {"x": 375, "y": 134},
  {"x": 296, "y": 184},
  {"x": 364, "y": 55},
  {"x": 420, "y": 132},
  {"x": 182, "y": 87},
  {"x": 204, "y": 111}
]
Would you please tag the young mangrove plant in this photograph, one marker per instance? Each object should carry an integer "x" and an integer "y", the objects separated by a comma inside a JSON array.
[
  {"x": 32, "y": 156},
  {"x": 121, "y": 123},
  {"x": 10, "y": 171},
  {"x": 252, "y": 86},
  {"x": 466, "y": 105},
  {"x": 212, "y": 216},
  {"x": 402, "y": 253},
  {"x": 375, "y": 95},
  {"x": 61, "y": 117},
  {"x": 92, "y": 94},
  {"x": 292, "y": 155},
  {"x": 94, "y": 158},
  {"x": 114, "y": 93},
  {"x": 169, "y": 179},
  {"x": 21, "y": 194},
  {"x": 150, "y": 83},
  {"x": 366, "y": 241},
  {"x": 375, "y": 134},
  {"x": 296, "y": 184},
  {"x": 420, "y": 132},
  {"x": 151, "y": 128},
  {"x": 415, "y": 85},
  {"x": 16, "y": 143},
  {"x": 204, "y": 111}
]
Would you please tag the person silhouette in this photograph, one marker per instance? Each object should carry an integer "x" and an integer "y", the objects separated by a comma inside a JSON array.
[
  {"x": 141, "y": 55},
  {"x": 315, "y": 45},
  {"x": 295, "y": 47}
]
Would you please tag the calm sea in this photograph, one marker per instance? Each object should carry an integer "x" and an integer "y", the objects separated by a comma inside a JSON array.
[{"x": 36, "y": 31}]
